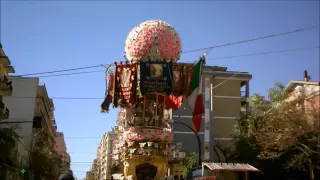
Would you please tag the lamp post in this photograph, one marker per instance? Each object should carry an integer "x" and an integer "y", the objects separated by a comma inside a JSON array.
[{"x": 197, "y": 136}]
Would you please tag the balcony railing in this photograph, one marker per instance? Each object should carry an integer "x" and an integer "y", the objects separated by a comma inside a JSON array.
[
  {"x": 6, "y": 85},
  {"x": 4, "y": 111},
  {"x": 2, "y": 107},
  {"x": 37, "y": 122}
]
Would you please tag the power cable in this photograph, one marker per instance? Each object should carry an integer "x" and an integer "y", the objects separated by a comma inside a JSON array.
[
  {"x": 254, "y": 39},
  {"x": 227, "y": 57},
  {"x": 83, "y": 137},
  {"x": 66, "y": 98},
  {"x": 81, "y": 162},
  {"x": 211, "y": 47},
  {"x": 54, "y": 75},
  {"x": 263, "y": 53},
  {"x": 63, "y": 70},
  {"x": 229, "y": 78}
]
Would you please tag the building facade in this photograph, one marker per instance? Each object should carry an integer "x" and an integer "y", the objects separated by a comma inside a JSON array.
[
  {"x": 5, "y": 84},
  {"x": 308, "y": 93},
  {"x": 104, "y": 157},
  {"x": 9, "y": 153},
  {"x": 225, "y": 96},
  {"x": 93, "y": 173},
  {"x": 31, "y": 105},
  {"x": 61, "y": 149},
  {"x": 22, "y": 110}
]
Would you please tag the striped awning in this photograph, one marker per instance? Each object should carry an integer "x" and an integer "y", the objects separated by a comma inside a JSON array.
[{"x": 230, "y": 167}]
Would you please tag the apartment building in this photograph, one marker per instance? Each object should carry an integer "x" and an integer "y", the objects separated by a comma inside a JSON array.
[
  {"x": 31, "y": 105},
  {"x": 43, "y": 116},
  {"x": 5, "y": 85},
  {"x": 22, "y": 110},
  {"x": 309, "y": 94},
  {"x": 6, "y": 90},
  {"x": 95, "y": 168},
  {"x": 90, "y": 175},
  {"x": 61, "y": 149},
  {"x": 104, "y": 155},
  {"x": 225, "y": 94}
]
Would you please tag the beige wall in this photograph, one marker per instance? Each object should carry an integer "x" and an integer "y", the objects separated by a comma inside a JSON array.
[
  {"x": 104, "y": 155},
  {"x": 226, "y": 106},
  {"x": 228, "y": 88}
]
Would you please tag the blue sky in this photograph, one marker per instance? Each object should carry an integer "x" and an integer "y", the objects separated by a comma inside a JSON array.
[{"x": 53, "y": 35}]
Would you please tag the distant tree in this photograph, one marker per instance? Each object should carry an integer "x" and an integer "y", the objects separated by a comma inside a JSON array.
[
  {"x": 43, "y": 159},
  {"x": 8, "y": 141},
  {"x": 277, "y": 131}
]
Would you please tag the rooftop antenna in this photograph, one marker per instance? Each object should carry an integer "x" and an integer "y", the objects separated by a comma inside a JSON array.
[{"x": 306, "y": 77}]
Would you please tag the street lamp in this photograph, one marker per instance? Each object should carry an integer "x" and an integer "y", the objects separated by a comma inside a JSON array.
[{"x": 197, "y": 136}]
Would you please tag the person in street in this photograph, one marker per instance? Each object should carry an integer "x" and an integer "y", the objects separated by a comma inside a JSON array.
[{"x": 66, "y": 177}]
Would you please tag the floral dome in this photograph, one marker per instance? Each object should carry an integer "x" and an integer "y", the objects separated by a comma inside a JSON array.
[{"x": 153, "y": 40}]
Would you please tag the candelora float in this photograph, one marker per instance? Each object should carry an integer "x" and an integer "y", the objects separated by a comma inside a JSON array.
[{"x": 146, "y": 87}]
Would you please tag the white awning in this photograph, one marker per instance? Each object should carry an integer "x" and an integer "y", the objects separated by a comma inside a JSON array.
[{"x": 230, "y": 167}]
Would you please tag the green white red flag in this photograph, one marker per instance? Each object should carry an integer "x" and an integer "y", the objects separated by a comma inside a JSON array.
[{"x": 195, "y": 99}]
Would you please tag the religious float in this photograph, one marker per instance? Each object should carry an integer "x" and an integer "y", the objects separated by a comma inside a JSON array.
[{"x": 145, "y": 87}]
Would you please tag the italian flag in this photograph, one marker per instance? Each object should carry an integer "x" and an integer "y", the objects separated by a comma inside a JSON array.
[{"x": 195, "y": 99}]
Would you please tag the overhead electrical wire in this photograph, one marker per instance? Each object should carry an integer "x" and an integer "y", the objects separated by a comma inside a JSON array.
[
  {"x": 55, "y": 75},
  {"x": 83, "y": 137},
  {"x": 264, "y": 53},
  {"x": 254, "y": 39},
  {"x": 86, "y": 72},
  {"x": 68, "y": 98},
  {"x": 211, "y": 47},
  {"x": 63, "y": 70},
  {"x": 93, "y": 98},
  {"x": 81, "y": 162}
]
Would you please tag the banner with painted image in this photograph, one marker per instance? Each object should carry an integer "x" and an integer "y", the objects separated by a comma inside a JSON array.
[
  {"x": 156, "y": 77},
  {"x": 126, "y": 82},
  {"x": 178, "y": 85}
]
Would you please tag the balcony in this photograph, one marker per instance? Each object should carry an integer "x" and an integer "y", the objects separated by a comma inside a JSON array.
[
  {"x": 37, "y": 122},
  {"x": 4, "y": 59},
  {"x": 5, "y": 86},
  {"x": 4, "y": 111}
]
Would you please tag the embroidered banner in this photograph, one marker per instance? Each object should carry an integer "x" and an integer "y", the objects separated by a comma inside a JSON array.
[
  {"x": 188, "y": 69},
  {"x": 126, "y": 78},
  {"x": 178, "y": 87},
  {"x": 156, "y": 77}
]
